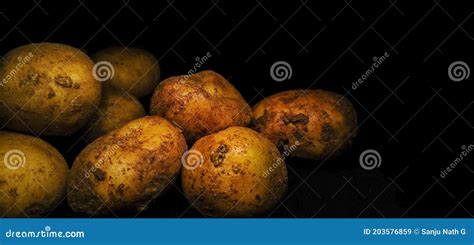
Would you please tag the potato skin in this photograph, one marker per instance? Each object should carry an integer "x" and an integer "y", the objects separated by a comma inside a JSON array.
[
  {"x": 116, "y": 109},
  {"x": 39, "y": 186},
  {"x": 201, "y": 104},
  {"x": 321, "y": 123},
  {"x": 54, "y": 92},
  {"x": 136, "y": 70},
  {"x": 126, "y": 168},
  {"x": 242, "y": 174}
]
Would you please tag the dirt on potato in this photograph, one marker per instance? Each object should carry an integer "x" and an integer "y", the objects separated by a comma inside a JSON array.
[
  {"x": 240, "y": 174},
  {"x": 319, "y": 122},
  {"x": 201, "y": 104},
  {"x": 127, "y": 168},
  {"x": 48, "y": 89},
  {"x": 33, "y": 176}
]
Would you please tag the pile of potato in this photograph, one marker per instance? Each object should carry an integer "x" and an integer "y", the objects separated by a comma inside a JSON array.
[{"x": 234, "y": 165}]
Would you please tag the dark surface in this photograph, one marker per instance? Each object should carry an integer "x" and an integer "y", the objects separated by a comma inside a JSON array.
[{"x": 409, "y": 110}]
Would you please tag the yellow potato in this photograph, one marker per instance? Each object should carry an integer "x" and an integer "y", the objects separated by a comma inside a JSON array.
[
  {"x": 50, "y": 87},
  {"x": 116, "y": 109},
  {"x": 135, "y": 71},
  {"x": 201, "y": 104},
  {"x": 126, "y": 168},
  {"x": 33, "y": 176},
  {"x": 317, "y": 123},
  {"x": 234, "y": 172}
]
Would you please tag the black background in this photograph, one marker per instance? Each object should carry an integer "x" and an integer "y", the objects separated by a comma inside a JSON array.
[{"x": 409, "y": 110}]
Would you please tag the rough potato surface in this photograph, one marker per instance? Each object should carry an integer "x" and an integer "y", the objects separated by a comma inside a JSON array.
[
  {"x": 242, "y": 174},
  {"x": 201, "y": 104},
  {"x": 50, "y": 87},
  {"x": 322, "y": 123},
  {"x": 33, "y": 176},
  {"x": 127, "y": 168}
]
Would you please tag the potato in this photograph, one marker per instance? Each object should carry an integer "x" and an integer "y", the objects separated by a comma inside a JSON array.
[
  {"x": 50, "y": 87},
  {"x": 201, "y": 104},
  {"x": 135, "y": 71},
  {"x": 126, "y": 168},
  {"x": 234, "y": 172},
  {"x": 313, "y": 124},
  {"x": 33, "y": 176},
  {"x": 116, "y": 109}
]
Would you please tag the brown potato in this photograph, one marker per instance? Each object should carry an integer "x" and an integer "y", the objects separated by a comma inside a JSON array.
[
  {"x": 234, "y": 172},
  {"x": 320, "y": 123},
  {"x": 116, "y": 109},
  {"x": 33, "y": 176},
  {"x": 50, "y": 87},
  {"x": 126, "y": 168},
  {"x": 135, "y": 71},
  {"x": 201, "y": 104}
]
